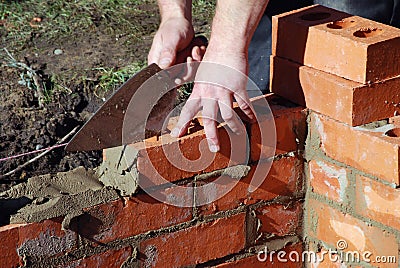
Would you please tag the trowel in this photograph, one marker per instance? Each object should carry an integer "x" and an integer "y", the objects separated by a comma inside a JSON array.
[{"x": 107, "y": 127}]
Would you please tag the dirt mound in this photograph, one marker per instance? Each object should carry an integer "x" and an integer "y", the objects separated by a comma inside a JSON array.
[{"x": 25, "y": 127}]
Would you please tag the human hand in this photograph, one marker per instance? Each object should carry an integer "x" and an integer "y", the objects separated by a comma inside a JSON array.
[
  {"x": 212, "y": 98},
  {"x": 173, "y": 35}
]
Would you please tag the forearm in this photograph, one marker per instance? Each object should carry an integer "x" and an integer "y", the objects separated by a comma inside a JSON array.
[
  {"x": 235, "y": 22},
  {"x": 175, "y": 9}
]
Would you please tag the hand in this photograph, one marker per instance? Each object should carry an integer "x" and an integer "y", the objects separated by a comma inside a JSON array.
[
  {"x": 211, "y": 97},
  {"x": 173, "y": 35}
]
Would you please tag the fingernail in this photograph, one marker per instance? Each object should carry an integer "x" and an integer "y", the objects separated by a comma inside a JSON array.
[
  {"x": 175, "y": 132},
  {"x": 165, "y": 63},
  {"x": 214, "y": 148}
]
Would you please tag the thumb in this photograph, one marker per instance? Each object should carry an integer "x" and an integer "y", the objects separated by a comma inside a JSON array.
[{"x": 167, "y": 57}]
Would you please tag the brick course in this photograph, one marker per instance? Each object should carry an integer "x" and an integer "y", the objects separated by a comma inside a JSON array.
[
  {"x": 341, "y": 99},
  {"x": 201, "y": 243},
  {"x": 315, "y": 36}
]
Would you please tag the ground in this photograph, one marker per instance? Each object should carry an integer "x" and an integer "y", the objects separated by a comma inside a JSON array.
[{"x": 59, "y": 61}]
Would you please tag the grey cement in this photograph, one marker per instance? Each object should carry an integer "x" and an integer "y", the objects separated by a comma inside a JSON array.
[
  {"x": 119, "y": 171},
  {"x": 61, "y": 194}
]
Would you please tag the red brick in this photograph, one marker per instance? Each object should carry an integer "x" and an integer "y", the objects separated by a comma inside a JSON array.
[
  {"x": 34, "y": 240},
  {"x": 45, "y": 239},
  {"x": 162, "y": 159},
  {"x": 172, "y": 160},
  {"x": 279, "y": 220},
  {"x": 330, "y": 225},
  {"x": 328, "y": 40},
  {"x": 344, "y": 100},
  {"x": 166, "y": 159},
  {"x": 120, "y": 219},
  {"x": 289, "y": 130},
  {"x": 254, "y": 261},
  {"x": 366, "y": 149},
  {"x": 377, "y": 201},
  {"x": 198, "y": 244},
  {"x": 328, "y": 180},
  {"x": 109, "y": 259},
  {"x": 283, "y": 178},
  {"x": 9, "y": 236}
]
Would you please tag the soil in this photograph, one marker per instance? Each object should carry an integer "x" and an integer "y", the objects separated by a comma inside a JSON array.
[{"x": 25, "y": 127}]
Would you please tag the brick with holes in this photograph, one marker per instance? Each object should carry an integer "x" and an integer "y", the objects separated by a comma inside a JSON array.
[{"x": 348, "y": 46}]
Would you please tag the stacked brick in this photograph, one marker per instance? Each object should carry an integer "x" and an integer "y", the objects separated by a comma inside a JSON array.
[
  {"x": 336, "y": 64},
  {"x": 346, "y": 70},
  {"x": 140, "y": 231}
]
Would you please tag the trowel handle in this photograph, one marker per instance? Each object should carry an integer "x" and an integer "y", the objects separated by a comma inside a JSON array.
[{"x": 187, "y": 52}]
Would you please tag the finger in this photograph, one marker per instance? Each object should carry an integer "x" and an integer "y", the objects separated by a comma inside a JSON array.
[
  {"x": 167, "y": 57},
  {"x": 196, "y": 53},
  {"x": 244, "y": 103},
  {"x": 189, "y": 111},
  {"x": 191, "y": 69},
  {"x": 229, "y": 115},
  {"x": 186, "y": 49},
  {"x": 162, "y": 52},
  {"x": 209, "y": 116},
  {"x": 154, "y": 53},
  {"x": 202, "y": 51},
  {"x": 186, "y": 72}
]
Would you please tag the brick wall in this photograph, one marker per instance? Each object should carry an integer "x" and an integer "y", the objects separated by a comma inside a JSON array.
[
  {"x": 352, "y": 147},
  {"x": 328, "y": 183},
  {"x": 141, "y": 231}
]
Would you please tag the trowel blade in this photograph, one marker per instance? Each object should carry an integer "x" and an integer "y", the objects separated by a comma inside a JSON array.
[{"x": 104, "y": 128}]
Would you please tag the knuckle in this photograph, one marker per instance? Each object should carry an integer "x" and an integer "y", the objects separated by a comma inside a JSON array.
[{"x": 228, "y": 116}]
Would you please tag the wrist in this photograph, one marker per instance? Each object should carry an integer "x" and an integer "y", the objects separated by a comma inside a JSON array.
[
  {"x": 235, "y": 22},
  {"x": 228, "y": 45},
  {"x": 228, "y": 36},
  {"x": 175, "y": 9},
  {"x": 178, "y": 21}
]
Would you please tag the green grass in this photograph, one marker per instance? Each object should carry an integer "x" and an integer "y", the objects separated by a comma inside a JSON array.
[
  {"x": 110, "y": 79},
  {"x": 203, "y": 9},
  {"x": 61, "y": 18}
]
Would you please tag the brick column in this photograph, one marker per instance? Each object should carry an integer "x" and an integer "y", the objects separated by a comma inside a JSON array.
[{"x": 345, "y": 69}]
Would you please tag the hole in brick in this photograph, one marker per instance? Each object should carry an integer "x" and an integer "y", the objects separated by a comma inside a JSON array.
[
  {"x": 367, "y": 32},
  {"x": 340, "y": 24},
  {"x": 395, "y": 133},
  {"x": 315, "y": 16}
]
